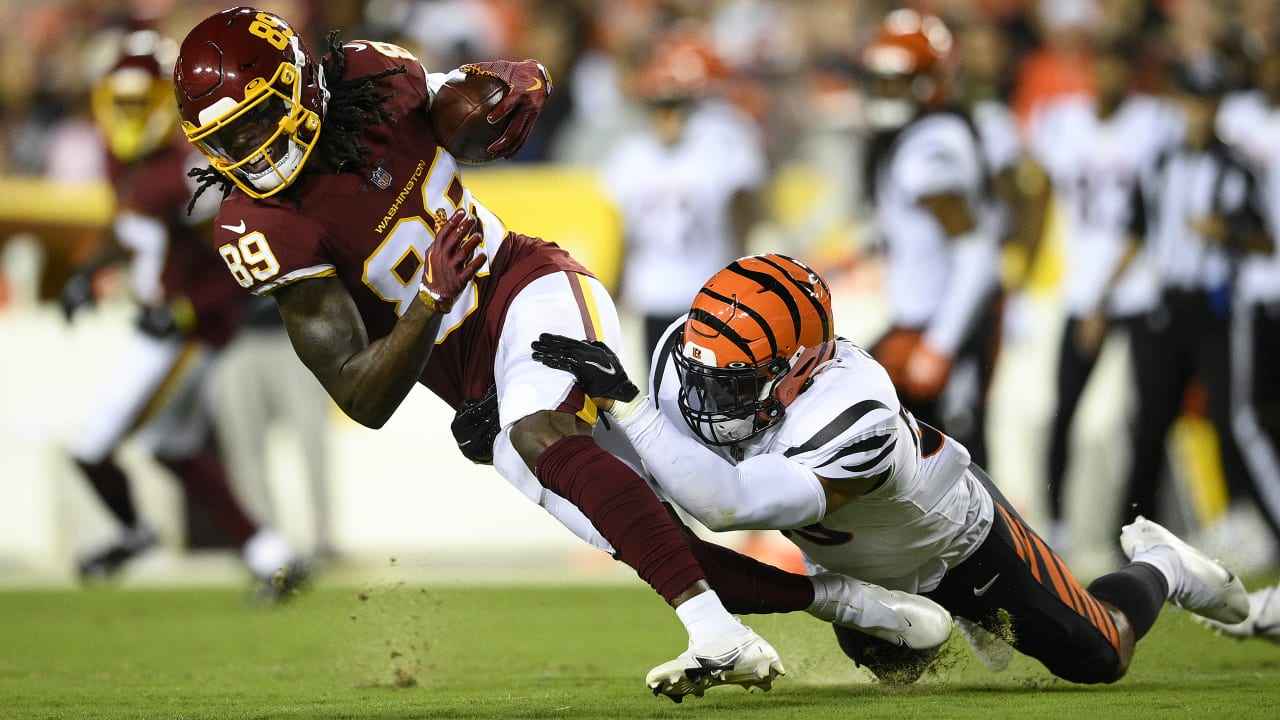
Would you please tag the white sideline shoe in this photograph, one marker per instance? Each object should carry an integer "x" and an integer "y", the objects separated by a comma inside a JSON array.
[
  {"x": 991, "y": 650},
  {"x": 741, "y": 658},
  {"x": 1263, "y": 621},
  {"x": 1205, "y": 587},
  {"x": 897, "y": 617}
]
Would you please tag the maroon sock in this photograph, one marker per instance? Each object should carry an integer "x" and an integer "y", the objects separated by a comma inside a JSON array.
[
  {"x": 204, "y": 478},
  {"x": 624, "y": 509},
  {"x": 746, "y": 585},
  {"x": 110, "y": 483}
]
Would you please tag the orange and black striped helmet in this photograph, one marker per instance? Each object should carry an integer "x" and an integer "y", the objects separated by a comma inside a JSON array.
[{"x": 756, "y": 333}]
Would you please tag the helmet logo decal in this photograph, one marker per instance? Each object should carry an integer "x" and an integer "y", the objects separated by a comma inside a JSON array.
[
  {"x": 745, "y": 338},
  {"x": 272, "y": 29}
]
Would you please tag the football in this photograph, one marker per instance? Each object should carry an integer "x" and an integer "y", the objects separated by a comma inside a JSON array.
[{"x": 458, "y": 116}]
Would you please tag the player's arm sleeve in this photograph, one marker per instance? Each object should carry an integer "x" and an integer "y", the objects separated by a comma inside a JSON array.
[
  {"x": 975, "y": 259},
  {"x": 1240, "y": 200},
  {"x": 1138, "y": 205},
  {"x": 950, "y": 171},
  {"x": 865, "y": 440},
  {"x": 764, "y": 492},
  {"x": 148, "y": 239}
]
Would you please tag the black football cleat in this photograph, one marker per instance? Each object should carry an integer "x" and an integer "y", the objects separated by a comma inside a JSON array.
[
  {"x": 105, "y": 563},
  {"x": 283, "y": 586}
]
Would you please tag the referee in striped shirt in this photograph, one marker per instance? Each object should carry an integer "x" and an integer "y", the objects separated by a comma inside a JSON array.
[{"x": 1198, "y": 209}]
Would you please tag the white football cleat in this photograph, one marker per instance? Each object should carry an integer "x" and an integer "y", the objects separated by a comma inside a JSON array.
[
  {"x": 1205, "y": 587},
  {"x": 897, "y": 617},
  {"x": 740, "y": 658},
  {"x": 991, "y": 650},
  {"x": 1263, "y": 621}
]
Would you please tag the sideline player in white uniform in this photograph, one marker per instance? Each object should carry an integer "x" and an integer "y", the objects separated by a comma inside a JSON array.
[
  {"x": 687, "y": 186},
  {"x": 1201, "y": 213},
  {"x": 930, "y": 188},
  {"x": 1093, "y": 150},
  {"x": 762, "y": 418},
  {"x": 1249, "y": 122}
]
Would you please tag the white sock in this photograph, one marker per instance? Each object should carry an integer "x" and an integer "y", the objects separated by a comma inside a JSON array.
[
  {"x": 1165, "y": 560},
  {"x": 704, "y": 617},
  {"x": 851, "y": 604},
  {"x": 829, "y": 598},
  {"x": 266, "y": 552}
]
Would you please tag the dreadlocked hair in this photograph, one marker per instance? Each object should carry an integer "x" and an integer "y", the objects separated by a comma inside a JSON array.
[
  {"x": 354, "y": 106},
  {"x": 206, "y": 177}
]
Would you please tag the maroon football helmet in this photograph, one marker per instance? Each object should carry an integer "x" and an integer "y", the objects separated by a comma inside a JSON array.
[
  {"x": 251, "y": 96},
  {"x": 131, "y": 103}
]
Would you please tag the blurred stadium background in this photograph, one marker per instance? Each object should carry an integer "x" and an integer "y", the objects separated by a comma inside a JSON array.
[{"x": 403, "y": 494}]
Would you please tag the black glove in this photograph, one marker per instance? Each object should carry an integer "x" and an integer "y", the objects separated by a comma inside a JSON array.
[
  {"x": 77, "y": 293},
  {"x": 476, "y": 425},
  {"x": 598, "y": 370},
  {"x": 158, "y": 322}
]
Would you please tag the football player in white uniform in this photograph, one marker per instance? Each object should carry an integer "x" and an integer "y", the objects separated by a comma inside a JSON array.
[
  {"x": 1249, "y": 122},
  {"x": 761, "y": 417},
  {"x": 1201, "y": 216},
  {"x": 930, "y": 191},
  {"x": 687, "y": 186},
  {"x": 1093, "y": 150}
]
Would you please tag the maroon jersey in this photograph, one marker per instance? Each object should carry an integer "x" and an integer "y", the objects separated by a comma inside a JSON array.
[
  {"x": 372, "y": 230},
  {"x": 151, "y": 221}
]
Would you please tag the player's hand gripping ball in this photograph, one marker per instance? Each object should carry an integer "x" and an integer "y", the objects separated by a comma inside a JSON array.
[
  {"x": 489, "y": 112},
  {"x": 459, "y": 116}
]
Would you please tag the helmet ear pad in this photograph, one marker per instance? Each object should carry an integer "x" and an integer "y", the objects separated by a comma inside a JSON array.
[{"x": 800, "y": 376}]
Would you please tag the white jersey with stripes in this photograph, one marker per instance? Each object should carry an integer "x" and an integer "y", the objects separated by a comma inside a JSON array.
[
  {"x": 928, "y": 511},
  {"x": 936, "y": 155},
  {"x": 1251, "y": 126},
  {"x": 1094, "y": 164}
]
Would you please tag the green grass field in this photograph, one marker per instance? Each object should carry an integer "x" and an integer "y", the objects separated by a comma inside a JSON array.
[{"x": 404, "y": 651}]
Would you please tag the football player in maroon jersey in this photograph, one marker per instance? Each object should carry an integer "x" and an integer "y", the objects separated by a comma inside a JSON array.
[
  {"x": 187, "y": 309},
  {"x": 340, "y": 203}
]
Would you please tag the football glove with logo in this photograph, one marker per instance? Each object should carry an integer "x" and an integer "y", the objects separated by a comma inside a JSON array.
[
  {"x": 449, "y": 264},
  {"x": 597, "y": 368},
  {"x": 475, "y": 426},
  {"x": 530, "y": 85}
]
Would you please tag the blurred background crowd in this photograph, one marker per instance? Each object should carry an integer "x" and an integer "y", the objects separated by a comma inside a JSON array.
[
  {"x": 770, "y": 103},
  {"x": 793, "y": 66}
]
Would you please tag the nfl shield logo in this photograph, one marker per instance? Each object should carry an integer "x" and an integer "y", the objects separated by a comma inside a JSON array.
[{"x": 380, "y": 177}]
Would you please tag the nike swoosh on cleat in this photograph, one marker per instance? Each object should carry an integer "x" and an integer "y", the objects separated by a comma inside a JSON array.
[
  {"x": 235, "y": 228},
  {"x": 980, "y": 591},
  {"x": 1265, "y": 629},
  {"x": 710, "y": 666},
  {"x": 537, "y": 85},
  {"x": 609, "y": 370}
]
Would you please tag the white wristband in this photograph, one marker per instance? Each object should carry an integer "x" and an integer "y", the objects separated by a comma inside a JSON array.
[{"x": 621, "y": 411}]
